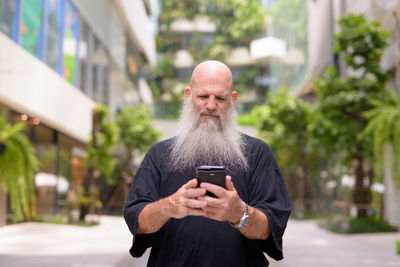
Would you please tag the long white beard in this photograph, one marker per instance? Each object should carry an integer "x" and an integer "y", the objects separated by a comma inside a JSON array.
[{"x": 207, "y": 141}]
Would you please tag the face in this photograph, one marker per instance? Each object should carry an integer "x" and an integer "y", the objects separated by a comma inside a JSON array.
[{"x": 211, "y": 91}]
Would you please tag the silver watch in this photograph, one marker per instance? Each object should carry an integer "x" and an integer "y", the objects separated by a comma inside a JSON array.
[{"x": 244, "y": 221}]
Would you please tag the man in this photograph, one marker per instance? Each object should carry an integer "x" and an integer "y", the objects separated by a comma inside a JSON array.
[{"x": 167, "y": 211}]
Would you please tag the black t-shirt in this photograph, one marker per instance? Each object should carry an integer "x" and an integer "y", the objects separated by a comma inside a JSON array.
[{"x": 199, "y": 241}]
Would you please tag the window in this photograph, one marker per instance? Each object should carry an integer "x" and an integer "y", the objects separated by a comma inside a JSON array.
[
  {"x": 6, "y": 16},
  {"x": 83, "y": 56},
  {"x": 106, "y": 79},
  {"x": 70, "y": 44},
  {"x": 96, "y": 61},
  {"x": 30, "y": 22},
  {"x": 52, "y": 33}
]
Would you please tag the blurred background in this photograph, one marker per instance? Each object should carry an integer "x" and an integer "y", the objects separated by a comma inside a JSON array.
[{"x": 87, "y": 86}]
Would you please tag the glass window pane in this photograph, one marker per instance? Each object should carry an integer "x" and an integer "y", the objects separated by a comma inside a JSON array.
[
  {"x": 54, "y": 17},
  {"x": 96, "y": 60},
  {"x": 106, "y": 80},
  {"x": 70, "y": 43},
  {"x": 83, "y": 55},
  {"x": 31, "y": 15},
  {"x": 6, "y": 16}
]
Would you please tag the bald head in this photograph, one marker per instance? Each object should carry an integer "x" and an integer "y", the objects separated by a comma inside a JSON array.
[{"x": 212, "y": 70}]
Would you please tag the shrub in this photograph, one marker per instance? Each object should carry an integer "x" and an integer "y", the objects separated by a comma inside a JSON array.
[{"x": 357, "y": 225}]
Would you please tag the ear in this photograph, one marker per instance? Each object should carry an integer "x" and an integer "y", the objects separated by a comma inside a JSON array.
[
  {"x": 234, "y": 96},
  {"x": 188, "y": 91}
]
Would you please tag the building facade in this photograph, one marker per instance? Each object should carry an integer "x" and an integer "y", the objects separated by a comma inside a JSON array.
[{"x": 58, "y": 59}]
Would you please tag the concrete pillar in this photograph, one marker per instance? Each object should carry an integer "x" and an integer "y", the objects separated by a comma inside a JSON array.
[{"x": 392, "y": 191}]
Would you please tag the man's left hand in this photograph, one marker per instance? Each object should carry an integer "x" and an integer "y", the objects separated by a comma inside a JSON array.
[{"x": 226, "y": 206}]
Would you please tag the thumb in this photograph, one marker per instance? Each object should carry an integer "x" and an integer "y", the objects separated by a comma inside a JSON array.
[{"x": 228, "y": 183}]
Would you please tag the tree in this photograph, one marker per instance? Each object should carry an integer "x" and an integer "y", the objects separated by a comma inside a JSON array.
[
  {"x": 237, "y": 22},
  {"x": 343, "y": 100},
  {"x": 137, "y": 134},
  {"x": 283, "y": 123},
  {"x": 17, "y": 168},
  {"x": 99, "y": 160},
  {"x": 384, "y": 126}
]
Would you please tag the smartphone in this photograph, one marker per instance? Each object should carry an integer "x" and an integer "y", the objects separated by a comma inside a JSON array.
[{"x": 211, "y": 174}]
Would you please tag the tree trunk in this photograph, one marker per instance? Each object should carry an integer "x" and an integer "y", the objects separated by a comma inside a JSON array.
[
  {"x": 87, "y": 183},
  {"x": 302, "y": 173},
  {"x": 361, "y": 193}
]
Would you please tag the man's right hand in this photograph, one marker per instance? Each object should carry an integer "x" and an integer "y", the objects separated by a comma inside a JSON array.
[{"x": 182, "y": 203}]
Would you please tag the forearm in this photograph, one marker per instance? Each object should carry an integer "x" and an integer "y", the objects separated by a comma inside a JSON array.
[
  {"x": 182, "y": 203},
  {"x": 153, "y": 217},
  {"x": 258, "y": 227}
]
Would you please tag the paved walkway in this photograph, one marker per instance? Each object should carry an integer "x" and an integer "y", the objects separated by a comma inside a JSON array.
[{"x": 106, "y": 245}]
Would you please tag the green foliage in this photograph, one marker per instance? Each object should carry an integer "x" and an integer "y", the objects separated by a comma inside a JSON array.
[
  {"x": 162, "y": 78},
  {"x": 248, "y": 119},
  {"x": 246, "y": 78},
  {"x": 342, "y": 101},
  {"x": 63, "y": 220},
  {"x": 398, "y": 246},
  {"x": 165, "y": 68},
  {"x": 17, "y": 165},
  {"x": 105, "y": 137},
  {"x": 136, "y": 133},
  {"x": 362, "y": 43},
  {"x": 384, "y": 125},
  {"x": 238, "y": 20},
  {"x": 136, "y": 129},
  {"x": 350, "y": 225},
  {"x": 283, "y": 124}
]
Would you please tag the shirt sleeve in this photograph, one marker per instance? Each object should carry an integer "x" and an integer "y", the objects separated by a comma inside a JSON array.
[
  {"x": 143, "y": 191},
  {"x": 268, "y": 193}
]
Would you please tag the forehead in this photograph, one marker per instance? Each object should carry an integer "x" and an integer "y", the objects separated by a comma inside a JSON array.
[{"x": 214, "y": 79}]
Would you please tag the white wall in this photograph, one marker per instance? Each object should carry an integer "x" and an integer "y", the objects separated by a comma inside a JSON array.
[
  {"x": 104, "y": 20},
  {"x": 138, "y": 27},
  {"x": 29, "y": 86},
  {"x": 319, "y": 27}
]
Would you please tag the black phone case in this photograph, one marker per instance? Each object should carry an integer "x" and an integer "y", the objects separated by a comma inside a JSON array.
[{"x": 211, "y": 174}]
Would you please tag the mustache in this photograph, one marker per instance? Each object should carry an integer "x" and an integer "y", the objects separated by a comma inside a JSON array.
[{"x": 210, "y": 113}]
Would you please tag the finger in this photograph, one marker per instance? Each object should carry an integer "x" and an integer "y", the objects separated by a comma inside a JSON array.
[
  {"x": 228, "y": 183},
  {"x": 217, "y": 190},
  {"x": 192, "y": 183},
  {"x": 196, "y": 204},
  {"x": 211, "y": 201},
  {"x": 195, "y": 192}
]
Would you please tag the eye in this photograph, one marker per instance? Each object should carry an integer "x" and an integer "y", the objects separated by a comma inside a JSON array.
[{"x": 220, "y": 99}]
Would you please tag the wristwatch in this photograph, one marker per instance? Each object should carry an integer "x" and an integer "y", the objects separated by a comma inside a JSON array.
[{"x": 244, "y": 221}]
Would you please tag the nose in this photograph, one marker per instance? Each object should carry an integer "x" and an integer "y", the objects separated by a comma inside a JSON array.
[{"x": 211, "y": 105}]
